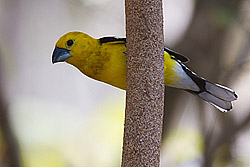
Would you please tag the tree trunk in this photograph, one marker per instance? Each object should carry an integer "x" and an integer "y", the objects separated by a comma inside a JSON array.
[{"x": 145, "y": 83}]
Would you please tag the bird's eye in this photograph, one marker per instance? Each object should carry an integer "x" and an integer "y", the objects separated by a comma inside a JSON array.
[{"x": 70, "y": 42}]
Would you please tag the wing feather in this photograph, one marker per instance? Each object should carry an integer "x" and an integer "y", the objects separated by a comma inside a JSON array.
[
  {"x": 111, "y": 40},
  {"x": 116, "y": 40},
  {"x": 178, "y": 56}
]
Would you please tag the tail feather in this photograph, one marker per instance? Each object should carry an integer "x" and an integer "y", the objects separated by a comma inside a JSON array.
[
  {"x": 219, "y": 96},
  {"x": 222, "y": 105},
  {"x": 220, "y": 91}
]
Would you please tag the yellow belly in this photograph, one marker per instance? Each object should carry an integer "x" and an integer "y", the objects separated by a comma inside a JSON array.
[
  {"x": 109, "y": 66},
  {"x": 115, "y": 71}
]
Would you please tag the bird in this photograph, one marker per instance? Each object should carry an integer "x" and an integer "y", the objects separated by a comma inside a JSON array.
[{"x": 104, "y": 59}]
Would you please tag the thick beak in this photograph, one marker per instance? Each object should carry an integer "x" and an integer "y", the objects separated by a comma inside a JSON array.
[{"x": 60, "y": 55}]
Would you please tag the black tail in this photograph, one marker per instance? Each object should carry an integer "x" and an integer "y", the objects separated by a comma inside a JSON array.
[{"x": 219, "y": 96}]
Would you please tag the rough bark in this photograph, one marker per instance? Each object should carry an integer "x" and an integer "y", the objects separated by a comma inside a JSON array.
[{"x": 145, "y": 83}]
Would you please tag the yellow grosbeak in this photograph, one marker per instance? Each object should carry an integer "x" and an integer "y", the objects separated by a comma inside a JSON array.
[{"x": 104, "y": 59}]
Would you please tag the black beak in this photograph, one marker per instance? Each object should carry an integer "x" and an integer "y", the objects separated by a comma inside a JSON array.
[{"x": 60, "y": 55}]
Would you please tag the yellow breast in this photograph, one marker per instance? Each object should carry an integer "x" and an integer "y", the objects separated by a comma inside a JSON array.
[
  {"x": 114, "y": 67},
  {"x": 109, "y": 65}
]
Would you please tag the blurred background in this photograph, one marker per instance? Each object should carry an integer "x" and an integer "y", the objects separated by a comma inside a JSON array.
[{"x": 54, "y": 116}]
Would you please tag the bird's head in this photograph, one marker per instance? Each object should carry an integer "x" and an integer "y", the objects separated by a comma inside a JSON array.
[{"x": 73, "y": 47}]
